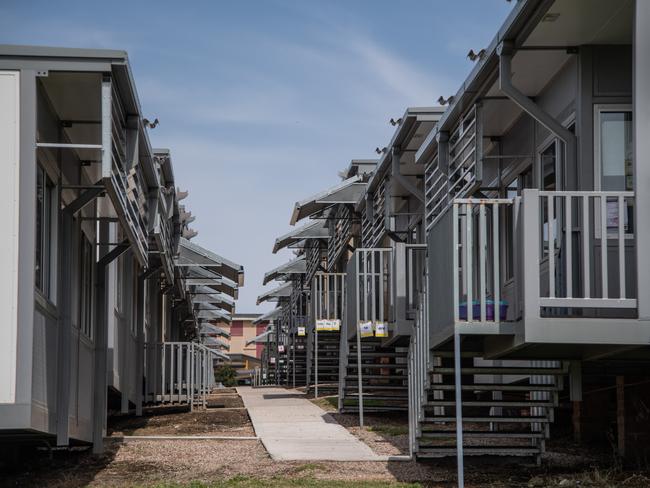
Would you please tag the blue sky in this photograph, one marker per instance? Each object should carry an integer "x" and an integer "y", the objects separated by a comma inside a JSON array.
[{"x": 263, "y": 102}]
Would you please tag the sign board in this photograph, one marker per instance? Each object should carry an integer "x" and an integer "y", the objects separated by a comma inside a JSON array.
[
  {"x": 302, "y": 331},
  {"x": 365, "y": 329},
  {"x": 381, "y": 329}
]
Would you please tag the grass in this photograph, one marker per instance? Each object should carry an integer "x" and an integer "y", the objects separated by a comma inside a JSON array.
[
  {"x": 248, "y": 482},
  {"x": 392, "y": 430}
]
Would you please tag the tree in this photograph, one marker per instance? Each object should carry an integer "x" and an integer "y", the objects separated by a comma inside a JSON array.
[{"x": 227, "y": 375}]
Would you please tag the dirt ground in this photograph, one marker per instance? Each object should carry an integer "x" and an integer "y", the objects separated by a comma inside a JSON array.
[{"x": 245, "y": 463}]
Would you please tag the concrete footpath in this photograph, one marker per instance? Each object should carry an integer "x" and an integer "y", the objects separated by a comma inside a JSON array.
[{"x": 293, "y": 428}]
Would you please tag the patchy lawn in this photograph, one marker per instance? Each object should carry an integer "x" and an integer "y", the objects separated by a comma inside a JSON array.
[
  {"x": 212, "y": 421},
  {"x": 246, "y": 482}
]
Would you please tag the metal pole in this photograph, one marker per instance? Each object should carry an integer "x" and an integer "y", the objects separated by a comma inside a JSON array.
[
  {"x": 359, "y": 378},
  {"x": 459, "y": 408},
  {"x": 315, "y": 362}
]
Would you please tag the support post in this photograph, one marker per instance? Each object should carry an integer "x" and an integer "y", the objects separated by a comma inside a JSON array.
[
  {"x": 620, "y": 415},
  {"x": 65, "y": 328},
  {"x": 358, "y": 325},
  {"x": 575, "y": 395},
  {"x": 139, "y": 363},
  {"x": 641, "y": 121},
  {"x": 459, "y": 409}
]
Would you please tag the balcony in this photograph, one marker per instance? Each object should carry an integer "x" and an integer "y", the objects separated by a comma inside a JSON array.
[{"x": 533, "y": 266}]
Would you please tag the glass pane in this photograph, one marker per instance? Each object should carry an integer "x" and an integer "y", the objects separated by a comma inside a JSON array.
[
  {"x": 40, "y": 205},
  {"x": 616, "y": 151}
]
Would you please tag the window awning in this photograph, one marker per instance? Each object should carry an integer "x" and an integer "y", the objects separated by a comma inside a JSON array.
[
  {"x": 217, "y": 353},
  {"x": 348, "y": 191},
  {"x": 263, "y": 337},
  {"x": 295, "y": 266},
  {"x": 197, "y": 255},
  {"x": 213, "y": 314},
  {"x": 282, "y": 291},
  {"x": 314, "y": 230},
  {"x": 196, "y": 276},
  {"x": 273, "y": 314},
  {"x": 205, "y": 294},
  {"x": 213, "y": 341},
  {"x": 208, "y": 328}
]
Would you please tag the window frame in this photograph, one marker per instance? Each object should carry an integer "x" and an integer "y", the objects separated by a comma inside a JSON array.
[
  {"x": 600, "y": 108},
  {"x": 45, "y": 235}
]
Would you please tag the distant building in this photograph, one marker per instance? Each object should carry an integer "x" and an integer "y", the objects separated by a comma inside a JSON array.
[{"x": 244, "y": 357}]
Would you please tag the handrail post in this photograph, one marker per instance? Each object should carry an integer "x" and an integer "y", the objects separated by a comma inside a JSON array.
[{"x": 530, "y": 236}]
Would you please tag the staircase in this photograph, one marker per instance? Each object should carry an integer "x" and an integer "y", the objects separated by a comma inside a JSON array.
[
  {"x": 298, "y": 363},
  {"x": 507, "y": 407},
  {"x": 384, "y": 378},
  {"x": 327, "y": 344}
]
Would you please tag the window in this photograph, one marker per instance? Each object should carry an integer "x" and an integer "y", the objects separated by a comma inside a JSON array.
[
  {"x": 86, "y": 298},
  {"x": 45, "y": 232},
  {"x": 613, "y": 155}
]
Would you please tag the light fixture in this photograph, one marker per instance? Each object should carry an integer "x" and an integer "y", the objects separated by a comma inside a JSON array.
[
  {"x": 474, "y": 56},
  {"x": 394, "y": 122},
  {"x": 151, "y": 125}
]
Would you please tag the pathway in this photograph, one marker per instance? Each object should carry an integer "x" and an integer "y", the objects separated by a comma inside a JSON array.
[{"x": 293, "y": 428}]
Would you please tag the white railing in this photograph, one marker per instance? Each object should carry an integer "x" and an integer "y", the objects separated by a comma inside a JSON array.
[
  {"x": 178, "y": 373},
  {"x": 328, "y": 300},
  {"x": 477, "y": 284},
  {"x": 419, "y": 364},
  {"x": 373, "y": 284},
  {"x": 415, "y": 264},
  {"x": 577, "y": 273}
]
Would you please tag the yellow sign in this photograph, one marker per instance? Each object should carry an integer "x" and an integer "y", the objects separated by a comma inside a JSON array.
[
  {"x": 381, "y": 329},
  {"x": 301, "y": 331},
  {"x": 365, "y": 329}
]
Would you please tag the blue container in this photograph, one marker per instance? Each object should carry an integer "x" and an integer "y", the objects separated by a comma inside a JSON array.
[{"x": 489, "y": 310}]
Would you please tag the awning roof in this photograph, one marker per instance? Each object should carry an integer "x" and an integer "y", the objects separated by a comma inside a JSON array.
[
  {"x": 205, "y": 294},
  {"x": 273, "y": 314},
  {"x": 217, "y": 353},
  {"x": 276, "y": 293},
  {"x": 195, "y": 276},
  {"x": 314, "y": 230},
  {"x": 213, "y": 314},
  {"x": 209, "y": 340},
  {"x": 208, "y": 259},
  {"x": 295, "y": 266},
  {"x": 348, "y": 191},
  {"x": 260, "y": 338},
  {"x": 208, "y": 328}
]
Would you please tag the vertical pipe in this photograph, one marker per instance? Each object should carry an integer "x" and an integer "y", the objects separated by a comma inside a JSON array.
[
  {"x": 550, "y": 222},
  {"x": 603, "y": 245},
  {"x": 496, "y": 263},
  {"x": 359, "y": 374},
  {"x": 454, "y": 246},
  {"x": 568, "y": 244},
  {"x": 163, "y": 384},
  {"x": 468, "y": 253},
  {"x": 459, "y": 409},
  {"x": 381, "y": 286},
  {"x": 374, "y": 286},
  {"x": 621, "y": 246},
  {"x": 482, "y": 248},
  {"x": 586, "y": 272}
]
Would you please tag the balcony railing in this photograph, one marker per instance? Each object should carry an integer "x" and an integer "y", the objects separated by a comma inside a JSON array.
[
  {"x": 546, "y": 253},
  {"x": 477, "y": 285},
  {"x": 590, "y": 266},
  {"x": 178, "y": 373}
]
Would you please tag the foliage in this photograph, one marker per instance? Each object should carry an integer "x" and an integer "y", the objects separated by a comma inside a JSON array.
[{"x": 226, "y": 374}]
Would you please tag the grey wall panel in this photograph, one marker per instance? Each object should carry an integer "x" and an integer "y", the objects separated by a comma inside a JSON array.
[{"x": 441, "y": 275}]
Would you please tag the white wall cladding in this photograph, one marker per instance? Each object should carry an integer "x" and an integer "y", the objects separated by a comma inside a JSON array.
[{"x": 9, "y": 162}]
